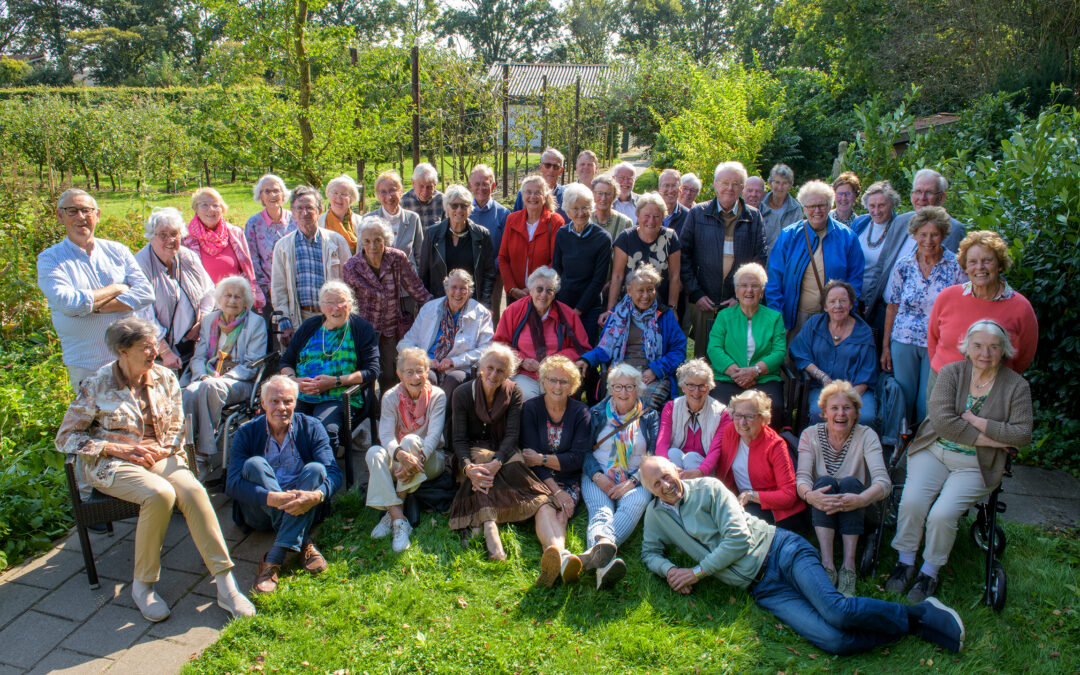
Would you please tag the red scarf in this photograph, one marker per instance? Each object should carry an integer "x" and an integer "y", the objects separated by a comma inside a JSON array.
[
  {"x": 210, "y": 241},
  {"x": 411, "y": 414}
]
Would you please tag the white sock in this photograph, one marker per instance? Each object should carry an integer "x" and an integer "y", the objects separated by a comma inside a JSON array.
[
  {"x": 907, "y": 557},
  {"x": 151, "y": 605},
  {"x": 564, "y": 554},
  {"x": 226, "y": 584},
  {"x": 930, "y": 570}
]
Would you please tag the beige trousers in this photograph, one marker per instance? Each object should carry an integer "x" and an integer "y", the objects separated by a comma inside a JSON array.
[
  {"x": 383, "y": 489},
  {"x": 156, "y": 491}
]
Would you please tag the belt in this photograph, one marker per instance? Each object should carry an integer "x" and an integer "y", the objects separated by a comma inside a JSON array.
[{"x": 314, "y": 309}]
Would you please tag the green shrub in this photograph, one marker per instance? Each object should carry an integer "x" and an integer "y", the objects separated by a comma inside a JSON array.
[{"x": 648, "y": 181}]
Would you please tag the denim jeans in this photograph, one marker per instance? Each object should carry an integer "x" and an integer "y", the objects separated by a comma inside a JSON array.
[
  {"x": 845, "y": 522},
  {"x": 796, "y": 590},
  {"x": 291, "y": 530},
  {"x": 911, "y": 368},
  {"x": 330, "y": 414}
]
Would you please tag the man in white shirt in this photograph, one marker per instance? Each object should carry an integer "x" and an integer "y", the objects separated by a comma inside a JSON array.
[{"x": 626, "y": 201}]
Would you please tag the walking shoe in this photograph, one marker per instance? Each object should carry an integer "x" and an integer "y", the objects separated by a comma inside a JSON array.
[
  {"x": 314, "y": 561},
  {"x": 571, "y": 568},
  {"x": 831, "y": 573},
  {"x": 266, "y": 580},
  {"x": 939, "y": 624},
  {"x": 607, "y": 575},
  {"x": 846, "y": 582},
  {"x": 598, "y": 556},
  {"x": 402, "y": 530},
  {"x": 550, "y": 567},
  {"x": 236, "y": 604},
  {"x": 924, "y": 586},
  {"x": 900, "y": 578},
  {"x": 151, "y": 605},
  {"x": 383, "y": 527}
]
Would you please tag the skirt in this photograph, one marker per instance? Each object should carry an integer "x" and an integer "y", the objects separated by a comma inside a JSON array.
[{"x": 515, "y": 495}]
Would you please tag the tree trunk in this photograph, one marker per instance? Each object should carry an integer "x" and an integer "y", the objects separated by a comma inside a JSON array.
[
  {"x": 303, "y": 64},
  {"x": 97, "y": 180},
  {"x": 206, "y": 170},
  {"x": 112, "y": 179}
]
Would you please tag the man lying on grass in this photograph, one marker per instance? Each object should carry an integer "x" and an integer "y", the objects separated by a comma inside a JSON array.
[{"x": 780, "y": 569}]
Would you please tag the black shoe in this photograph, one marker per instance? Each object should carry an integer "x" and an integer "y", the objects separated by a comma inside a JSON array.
[
  {"x": 412, "y": 510},
  {"x": 924, "y": 587},
  {"x": 940, "y": 624},
  {"x": 98, "y": 527},
  {"x": 900, "y": 578}
]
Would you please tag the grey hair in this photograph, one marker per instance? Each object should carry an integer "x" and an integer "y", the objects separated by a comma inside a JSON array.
[
  {"x": 575, "y": 192},
  {"x": 502, "y": 351},
  {"x": 484, "y": 169},
  {"x": 260, "y": 185},
  {"x": 376, "y": 223},
  {"x": 458, "y": 191},
  {"x": 345, "y": 181},
  {"x": 71, "y": 193},
  {"x": 753, "y": 269},
  {"x": 692, "y": 180},
  {"x": 652, "y": 199},
  {"x": 757, "y": 397},
  {"x": 544, "y": 272},
  {"x": 279, "y": 380},
  {"x": 238, "y": 281},
  {"x": 161, "y": 217},
  {"x": 126, "y": 332},
  {"x": 545, "y": 189},
  {"x": 552, "y": 152},
  {"x": 607, "y": 180},
  {"x": 817, "y": 187},
  {"x": 695, "y": 368},
  {"x": 782, "y": 171},
  {"x": 644, "y": 272},
  {"x": 931, "y": 214},
  {"x": 411, "y": 353},
  {"x": 424, "y": 170},
  {"x": 942, "y": 182},
  {"x": 883, "y": 187},
  {"x": 737, "y": 167},
  {"x": 757, "y": 178},
  {"x": 670, "y": 172},
  {"x": 338, "y": 286},
  {"x": 458, "y": 273},
  {"x": 623, "y": 165},
  {"x": 624, "y": 369},
  {"x": 587, "y": 153},
  {"x": 303, "y": 191},
  {"x": 994, "y": 328}
]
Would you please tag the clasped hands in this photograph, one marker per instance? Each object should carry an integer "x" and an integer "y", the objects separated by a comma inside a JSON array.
[
  {"x": 613, "y": 490},
  {"x": 681, "y": 580},
  {"x": 144, "y": 455},
  {"x": 317, "y": 384},
  {"x": 744, "y": 377},
  {"x": 483, "y": 475},
  {"x": 294, "y": 502},
  {"x": 408, "y": 465},
  {"x": 830, "y": 503}
]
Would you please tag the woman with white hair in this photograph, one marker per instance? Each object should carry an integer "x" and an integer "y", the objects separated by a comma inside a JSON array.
[
  {"x": 528, "y": 240},
  {"x": 652, "y": 243},
  {"x": 221, "y": 246},
  {"x": 689, "y": 188},
  {"x": 689, "y": 424},
  {"x": 230, "y": 338},
  {"x": 881, "y": 202},
  {"x": 796, "y": 287},
  {"x": 978, "y": 408},
  {"x": 582, "y": 254},
  {"x": 264, "y": 228},
  {"x": 405, "y": 224},
  {"x": 342, "y": 193},
  {"x": 183, "y": 291},
  {"x": 457, "y": 243}
]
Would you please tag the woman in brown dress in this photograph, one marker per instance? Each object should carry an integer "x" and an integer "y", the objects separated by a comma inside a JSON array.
[{"x": 498, "y": 487}]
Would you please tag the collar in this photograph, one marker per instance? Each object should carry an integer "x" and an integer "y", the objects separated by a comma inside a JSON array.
[
  {"x": 1006, "y": 292},
  {"x": 486, "y": 207},
  {"x": 382, "y": 209},
  {"x": 75, "y": 247},
  {"x": 148, "y": 377},
  {"x": 314, "y": 239},
  {"x": 734, "y": 210},
  {"x": 588, "y": 226},
  {"x": 290, "y": 435}
]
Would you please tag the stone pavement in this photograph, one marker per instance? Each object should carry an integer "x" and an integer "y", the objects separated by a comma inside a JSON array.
[{"x": 1041, "y": 497}]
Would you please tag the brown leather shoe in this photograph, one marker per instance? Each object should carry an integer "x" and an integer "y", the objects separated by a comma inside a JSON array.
[
  {"x": 266, "y": 580},
  {"x": 314, "y": 561}
]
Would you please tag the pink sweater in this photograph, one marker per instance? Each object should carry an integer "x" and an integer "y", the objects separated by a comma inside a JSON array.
[
  {"x": 712, "y": 455},
  {"x": 954, "y": 312}
]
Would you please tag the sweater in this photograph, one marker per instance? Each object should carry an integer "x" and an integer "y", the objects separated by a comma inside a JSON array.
[
  {"x": 518, "y": 256},
  {"x": 769, "y": 467},
  {"x": 410, "y": 234},
  {"x": 789, "y": 213},
  {"x": 954, "y": 312},
  {"x": 492, "y": 216},
  {"x": 863, "y": 460},
  {"x": 727, "y": 342},
  {"x": 674, "y": 347},
  {"x": 512, "y": 318},
  {"x": 378, "y": 295},
  {"x": 430, "y": 432},
  {"x": 469, "y": 431},
  {"x": 573, "y": 444},
  {"x": 582, "y": 264}
]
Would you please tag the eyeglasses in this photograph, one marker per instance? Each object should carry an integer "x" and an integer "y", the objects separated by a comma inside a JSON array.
[
  {"x": 167, "y": 236},
  {"x": 815, "y": 207},
  {"x": 926, "y": 193},
  {"x": 751, "y": 287},
  {"x": 739, "y": 417},
  {"x": 306, "y": 209},
  {"x": 696, "y": 387},
  {"x": 623, "y": 387},
  {"x": 78, "y": 211},
  {"x": 559, "y": 382},
  {"x": 729, "y": 185},
  {"x": 458, "y": 205},
  {"x": 550, "y": 290},
  {"x": 550, "y": 165}
]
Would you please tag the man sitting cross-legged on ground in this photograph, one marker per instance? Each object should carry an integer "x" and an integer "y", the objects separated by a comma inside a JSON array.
[
  {"x": 780, "y": 569},
  {"x": 281, "y": 468}
]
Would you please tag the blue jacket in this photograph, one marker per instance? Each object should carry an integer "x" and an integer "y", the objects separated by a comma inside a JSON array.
[
  {"x": 674, "y": 355},
  {"x": 650, "y": 429},
  {"x": 676, "y": 218},
  {"x": 788, "y": 260},
  {"x": 854, "y": 359}
]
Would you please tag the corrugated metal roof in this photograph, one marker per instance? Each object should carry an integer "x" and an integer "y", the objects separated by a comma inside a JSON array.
[{"x": 526, "y": 79}]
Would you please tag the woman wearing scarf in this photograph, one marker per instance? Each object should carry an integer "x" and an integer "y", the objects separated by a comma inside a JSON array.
[
  {"x": 691, "y": 425},
  {"x": 623, "y": 433},
  {"x": 538, "y": 325},
  {"x": 645, "y": 334},
  {"x": 229, "y": 338},
  {"x": 498, "y": 487},
  {"x": 342, "y": 193},
  {"x": 411, "y": 433},
  {"x": 221, "y": 247}
]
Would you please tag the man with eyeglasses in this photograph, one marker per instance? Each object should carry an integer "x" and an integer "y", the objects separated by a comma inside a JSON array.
[
  {"x": 929, "y": 188},
  {"x": 626, "y": 201},
  {"x": 551, "y": 168},
  {"x": 718, "y": 237},
  {"x": 90, "y": 284}
]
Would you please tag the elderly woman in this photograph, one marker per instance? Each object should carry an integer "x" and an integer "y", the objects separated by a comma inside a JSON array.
[
  {"x": 230, "y": 337},
  {"x": 977, "y": 410},
  {"x": 796, "y": 287},
  {"x": 914, "y": 285},
  {"x": 838, "y": 345},
  {"x": 342, "y": 193},
  {"x": 554, "y": 442},
  {"x": 841, "y": 473},
  {"x": 581, "y": 258},
  {"x": 411, "y": 434},
  {"x": 538, "y": 325},
  {"x": 379, "y": 275},
  {"x": 879, "y": 247},
  {"x": 330, "y": 353},
  {"x": 649, "y": 242},
  {"x": 746, "y": 343},
  {"x": 264, "y": 228},
  {"x": 221, "y": 247},
  {"x": 452, "y": 331},
  {"x": 528, "y": 240},
  {"x": 689, "y": 188},
  {"x": 126, "y": 429},
  {"x": 753, "y": 462},
  {"x": 643, "y": 333},
  {"x": 405, "y": 224},
  {"x": 846, "y": 188},
  {"x": 779, "y": 209},
  {"x": 623, "y": 433},
  {"x": 498, "y": 487},
  {"x": 605, "y": 190},
  {"x": 457, "y": 243},
  {"x": 183, "y": 292},
  {"x": 689, "y": 424}
]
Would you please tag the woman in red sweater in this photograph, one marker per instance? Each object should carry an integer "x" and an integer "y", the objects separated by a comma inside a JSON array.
[{"x": 528, "y": 239}]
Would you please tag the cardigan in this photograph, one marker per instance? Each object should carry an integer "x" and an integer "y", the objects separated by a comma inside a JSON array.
[
  {"x": 712, "y": 418},
  {"x": 513, "y": 316},
  {"x": 854, "y": 359},
  {"x": 954, "y": 312},
  {"x": 789, "y": 213},
  {"x": 473, "y": 336},
  {"x": 648, "y": 427},
  {"x": 181, "y": 297},
  {"x": 469, "y": 430},
  {"x": 1007, "y": 410},
  {"x": 378, "y": 297},
  {"x": 433, "y": 267},
  {"x": 573, "y": 444},
  {"x": 430, "y": 432},
  {"x": 410, "y": 234},
  {"x": 363, "y": 337},
  {"x": 863, "y": 460},
  {"x": 518, "y": 256},
  {"x": 673, "y": 353},
  {"x": 283, "y": 294},
  {"x": 769, "y": 467},
  {"x": 250, "y": 345},
  {"x": 727, "y": 342},
  {"x": 582, "y": 264}
]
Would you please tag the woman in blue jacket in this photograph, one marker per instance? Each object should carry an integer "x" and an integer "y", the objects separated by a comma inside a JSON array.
[{"x": 796, "y": 287}]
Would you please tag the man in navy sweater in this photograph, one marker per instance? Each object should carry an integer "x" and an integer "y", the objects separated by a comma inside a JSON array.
[{"x": 282, "y": 473}]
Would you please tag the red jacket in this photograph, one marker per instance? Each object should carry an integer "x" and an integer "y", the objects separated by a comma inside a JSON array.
[
  {"x": 769, "y": 466},
  {"x": 518, "y": 256},
  {"x": 512, "y": 325}
]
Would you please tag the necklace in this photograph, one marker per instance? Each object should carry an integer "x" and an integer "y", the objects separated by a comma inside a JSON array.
[
  {"x": 326, "y": 336},
  {"x": 870, "y": 235},
  {"x": 978, "y": 386},
  {"x": 836, "y": 338}
]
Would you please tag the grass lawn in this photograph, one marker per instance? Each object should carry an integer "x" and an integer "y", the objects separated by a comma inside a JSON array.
[{"x": 440, "y": 608}]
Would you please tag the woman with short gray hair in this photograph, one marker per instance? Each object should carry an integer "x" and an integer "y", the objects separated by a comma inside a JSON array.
[
  {"x": 455, "y": 243},
  {"x": 689, "y": 423},
  {"x": 342, "y": 192},
  {"x": 405, "y": 224},
  {"x": 582, "y": 254},
  {"x": 779, "y": 209},
  {"x": 648, "y": 242},
  {"x": 265, "y": 228},
  {"x": 879, "y": 248}
]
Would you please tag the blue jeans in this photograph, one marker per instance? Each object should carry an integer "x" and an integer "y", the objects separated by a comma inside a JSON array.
[
  {"x": 796, "y": 590},
  {"x": 866, "y": 416},
  {"x": 845, "y": 522},
  {"x": 291, "y": 530},
  {"x": 911, "y": 368}
]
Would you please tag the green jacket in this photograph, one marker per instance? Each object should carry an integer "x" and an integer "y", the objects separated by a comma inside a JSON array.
[
  {"x": 727, "y": 342},
  {"x": 712, "y": 529}
]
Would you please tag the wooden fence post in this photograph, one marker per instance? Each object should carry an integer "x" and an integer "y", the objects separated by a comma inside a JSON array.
[{"x": 506, "y": 130}]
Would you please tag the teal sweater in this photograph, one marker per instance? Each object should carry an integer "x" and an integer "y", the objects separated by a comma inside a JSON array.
[
  {"x": 712, "y": 529},
  {"x": 727, "y": 342}
]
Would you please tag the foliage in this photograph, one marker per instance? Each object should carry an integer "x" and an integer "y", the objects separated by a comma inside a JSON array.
[
  {"x": 502, "y": 30},
  {"x": 12, "y": 71},
  {"x": 873, "y": 155},
  {"x": 659, "y": 86},
  {"x": 977, "y": 132}
]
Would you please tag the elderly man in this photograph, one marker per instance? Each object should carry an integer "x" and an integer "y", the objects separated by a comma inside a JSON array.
[
  {"x": 586, "y": 166},
  {"x": 780, "y": 569},
  {"x": 626, "y": 201},
  {"x": 779, "y": 209},
  {"x": 668, "y": 187},
  {"x": 486, "y": 211},
  {"x": 423, "y": 199},
  {"x": 89, "y": 284},
  {"x": 689, "y": 189},
  {"x": 551, "y": 168},
  {"x": 281, "y": 469},
  {"x": 754, "y": 191},
  {"x": 304, "y": 261},
  {"x": 718, "y": 237}
]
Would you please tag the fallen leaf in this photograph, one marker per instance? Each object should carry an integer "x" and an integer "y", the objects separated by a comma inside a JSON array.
[
  {"x": 339, "y": 547},
  {"x": 462, "y": 602},
  {"x": 812, "y": 656},
  {"x": 794, "y": 651},
  {"x": 1056, "y": 612},
  {"x": 305, "y": 664},
  {"x": 929, "y": 662}
]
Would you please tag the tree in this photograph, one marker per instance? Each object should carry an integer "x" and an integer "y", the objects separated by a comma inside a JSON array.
[
  {"x": 502, "y": 30},
  {"x": 591, "y": 27},
  {"x": 648, "y": 23}
]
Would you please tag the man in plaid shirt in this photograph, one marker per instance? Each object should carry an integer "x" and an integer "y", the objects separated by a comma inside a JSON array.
[{"x": 423, "y": 199}]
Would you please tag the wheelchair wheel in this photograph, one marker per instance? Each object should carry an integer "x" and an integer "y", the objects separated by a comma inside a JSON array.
[
  {"x": 997, "y": 589},
  {"x": 980, "y": 534},
  {"x": 869, "y": 561}
]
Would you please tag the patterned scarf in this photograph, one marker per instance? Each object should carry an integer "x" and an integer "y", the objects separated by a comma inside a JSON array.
[
  {"x": 448, "y": 329},
  {"x": 231, "y": 333},
  {"x": 411, "y": 414},
  {"x": 618, "y": 464},
  {"x": 617, "y": 330},
  {"x": 211, "y": 241},
  {"x": 334, "y": 224}
]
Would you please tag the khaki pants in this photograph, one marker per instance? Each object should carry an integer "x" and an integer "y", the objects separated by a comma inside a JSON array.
[
  {"x": 156, "y": 490},
  {"x": 383, "y": 489}
]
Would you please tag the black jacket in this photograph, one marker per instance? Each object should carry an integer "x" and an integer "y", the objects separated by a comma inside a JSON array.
[
  {"x": 433, "y": 260},
  {"x": 702, "y": 241}
]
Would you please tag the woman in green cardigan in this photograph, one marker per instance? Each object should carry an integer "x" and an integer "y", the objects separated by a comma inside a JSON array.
[{"x": 747, "y": 343}]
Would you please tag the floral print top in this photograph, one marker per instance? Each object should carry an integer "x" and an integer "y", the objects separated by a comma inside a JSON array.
[{"x": 915, "y": 295}]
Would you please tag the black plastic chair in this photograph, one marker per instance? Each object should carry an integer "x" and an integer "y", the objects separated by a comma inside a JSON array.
[
  {"x": 98, "y": 509},
  {"x": 369, "y": 413}
]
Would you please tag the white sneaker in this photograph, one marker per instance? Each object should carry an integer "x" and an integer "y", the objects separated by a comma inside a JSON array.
[
  {"x": 383, "y": 528},
  {"x": 402, "y": 530},
  {"x": 236, "y": 604}
]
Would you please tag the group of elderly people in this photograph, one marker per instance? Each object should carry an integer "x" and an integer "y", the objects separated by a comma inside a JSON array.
[{"x": 602, "y": 288}]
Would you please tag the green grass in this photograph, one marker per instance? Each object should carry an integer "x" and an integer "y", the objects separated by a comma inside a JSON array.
[{"x": 441, "y": 608}]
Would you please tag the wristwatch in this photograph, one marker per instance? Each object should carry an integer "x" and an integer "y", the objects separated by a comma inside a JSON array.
[
  {"x": 757, "y": 368},
  {"x": 339, "y": 380},
  {"x": 698, "y": 572},
  {"x": 543, "y": 460}
]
